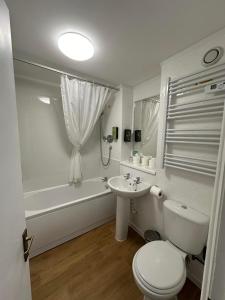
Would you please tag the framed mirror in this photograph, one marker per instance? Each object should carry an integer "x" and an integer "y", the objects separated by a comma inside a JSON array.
[{"x": 145, "y": 125}]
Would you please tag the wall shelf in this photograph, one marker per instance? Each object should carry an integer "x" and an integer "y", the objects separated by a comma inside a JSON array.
[{"x": 138, "y": 167}]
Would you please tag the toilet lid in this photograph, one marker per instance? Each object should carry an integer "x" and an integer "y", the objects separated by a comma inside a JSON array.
[{"x": 159, "y": 265}]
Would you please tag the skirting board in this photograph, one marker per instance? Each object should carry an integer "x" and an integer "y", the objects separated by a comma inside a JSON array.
[
  {"x": 138, "y": 230},
  {"x": 190, "y": 274},
  {"x": 70, "y": 237},
  {"x": 197, "y": 281}
]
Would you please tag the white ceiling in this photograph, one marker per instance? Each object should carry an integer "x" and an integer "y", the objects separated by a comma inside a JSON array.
[{"x": 131, "y": 37}]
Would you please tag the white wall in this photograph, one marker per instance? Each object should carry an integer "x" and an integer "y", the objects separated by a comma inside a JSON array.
[
  {"x": 45, "y": 149},
  {"x": 147, "y": 89},
  {"x": 127, "y": 107},
  {"x": 118, "y": 112},
  {"x": 192, "y": 189},
  {"x": 113, "y": 117}
]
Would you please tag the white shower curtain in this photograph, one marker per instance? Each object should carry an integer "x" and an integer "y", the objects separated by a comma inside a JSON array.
[{"x": 83, "y": 102}]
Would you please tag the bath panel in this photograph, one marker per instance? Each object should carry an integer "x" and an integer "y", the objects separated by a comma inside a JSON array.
[{"x": 54, "y": 218}]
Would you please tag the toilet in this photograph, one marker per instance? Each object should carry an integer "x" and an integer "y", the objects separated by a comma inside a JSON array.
[{"x": 159, "y": 267}]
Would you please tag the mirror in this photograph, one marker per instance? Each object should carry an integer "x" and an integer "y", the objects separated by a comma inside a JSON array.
[{"x": 145, "y": 125}]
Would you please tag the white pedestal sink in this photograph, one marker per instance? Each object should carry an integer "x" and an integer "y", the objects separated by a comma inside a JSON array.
[{"x": 125, "y": 190}]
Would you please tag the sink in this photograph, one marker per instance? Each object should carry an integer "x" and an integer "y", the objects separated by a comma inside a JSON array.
[{"x": 125, "y": 188}]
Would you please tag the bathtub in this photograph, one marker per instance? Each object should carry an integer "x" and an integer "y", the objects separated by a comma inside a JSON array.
[{"x": 57, "y": 214}]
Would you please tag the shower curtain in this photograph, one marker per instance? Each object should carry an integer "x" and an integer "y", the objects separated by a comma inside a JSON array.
[
  {"x": 149, "y": 126},
  {"x": 83, "y": 102}
]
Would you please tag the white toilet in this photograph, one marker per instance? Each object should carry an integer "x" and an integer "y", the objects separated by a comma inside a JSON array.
[{"x": 159, "y": 267}]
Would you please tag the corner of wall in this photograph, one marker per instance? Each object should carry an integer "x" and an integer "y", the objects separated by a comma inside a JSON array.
[{"x": 127, "y": 107}]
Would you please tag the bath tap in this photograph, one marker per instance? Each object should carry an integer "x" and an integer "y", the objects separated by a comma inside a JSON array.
[{"x": 137, "y": 180}]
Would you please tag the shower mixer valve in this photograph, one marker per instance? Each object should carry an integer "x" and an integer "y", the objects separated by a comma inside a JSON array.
[{"x": 108, "y": 138}]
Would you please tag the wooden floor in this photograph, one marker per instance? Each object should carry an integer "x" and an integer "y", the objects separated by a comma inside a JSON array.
[{"x": 92, "y": 267}]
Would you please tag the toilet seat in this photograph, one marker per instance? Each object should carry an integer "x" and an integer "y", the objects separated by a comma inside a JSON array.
[{"x": 160, "y": 268}]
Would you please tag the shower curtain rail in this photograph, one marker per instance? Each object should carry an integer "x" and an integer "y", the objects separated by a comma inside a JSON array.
[
  {"x": 29, "y": 62},
  {"x": 155, "y": 98}
]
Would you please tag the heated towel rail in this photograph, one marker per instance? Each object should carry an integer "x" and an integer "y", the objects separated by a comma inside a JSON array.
[{"x": 190, "y": 112}]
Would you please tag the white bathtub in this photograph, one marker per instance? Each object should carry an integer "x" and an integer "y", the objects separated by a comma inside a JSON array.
[{"x": 58, "y": 214}]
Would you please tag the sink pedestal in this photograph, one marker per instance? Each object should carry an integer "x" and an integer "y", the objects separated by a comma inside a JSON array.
[
  {"x": 122, "y": 218},
  {"x": 126, "y": 190}
]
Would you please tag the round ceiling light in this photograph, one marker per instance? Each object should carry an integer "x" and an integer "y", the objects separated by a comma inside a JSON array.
[{"x": 75, "y": 46}]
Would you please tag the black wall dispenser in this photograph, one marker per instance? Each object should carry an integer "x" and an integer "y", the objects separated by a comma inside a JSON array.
[
  {"x": 127, "y": 135},
  {"x": 137, "y": 136},
  {"x": 115, "y": 131}
]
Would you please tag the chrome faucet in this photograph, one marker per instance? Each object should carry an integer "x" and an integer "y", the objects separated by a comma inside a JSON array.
[
  {"x": 137, "y": 180},
  {"x": 127, "y": 176},
  {"x": 104, "y": 179}
]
